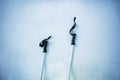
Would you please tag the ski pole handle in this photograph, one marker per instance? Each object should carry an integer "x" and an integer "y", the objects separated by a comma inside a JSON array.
[
  {"x": 44, "y": 44},
  {"x": 73, "y": 39},
  {"x": 72, "y": 33},
  {"x": 45, "y": 47}
]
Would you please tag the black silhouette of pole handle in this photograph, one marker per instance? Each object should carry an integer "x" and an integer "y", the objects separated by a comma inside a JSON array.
[
  {"x": 72, "y": 33},
  {"x": 44, "y": 44}
]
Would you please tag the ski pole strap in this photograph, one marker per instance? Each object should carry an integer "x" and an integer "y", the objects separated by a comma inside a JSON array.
[
  {"x": 44, "y": 44},
  {"x": 72, "y": 33}
]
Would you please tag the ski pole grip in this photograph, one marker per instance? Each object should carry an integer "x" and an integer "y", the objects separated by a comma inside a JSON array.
[
  {"x": 45, "y": 47},
  {"x": 73, "y": 39},
  {"x": 72, "y": 33},
  {"x": 44, "y": 44}
]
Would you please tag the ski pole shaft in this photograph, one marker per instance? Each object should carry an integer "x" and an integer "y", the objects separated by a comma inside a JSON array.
[
  {"x": 43, "y": 64},
  {"x": 70, "y": 62}
]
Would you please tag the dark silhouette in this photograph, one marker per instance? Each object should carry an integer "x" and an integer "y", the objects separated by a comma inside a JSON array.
[
  {"x": 44, "y": 44},
  {"x": 72, "y": 33}
]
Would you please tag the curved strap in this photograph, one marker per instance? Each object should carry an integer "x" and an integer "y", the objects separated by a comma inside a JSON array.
[{"x": 72, "y": 33}]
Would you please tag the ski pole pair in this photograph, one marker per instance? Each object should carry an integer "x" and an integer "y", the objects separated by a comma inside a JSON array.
[{"x": 44, "y": 43}]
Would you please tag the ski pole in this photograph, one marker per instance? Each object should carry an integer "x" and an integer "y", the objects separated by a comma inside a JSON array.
[
  {"x": 44, "y": 44},
  {"x": 72, "y": 47}
]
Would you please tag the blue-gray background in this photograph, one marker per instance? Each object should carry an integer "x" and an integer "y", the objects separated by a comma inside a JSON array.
[{"x": 24, "y": 23}]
